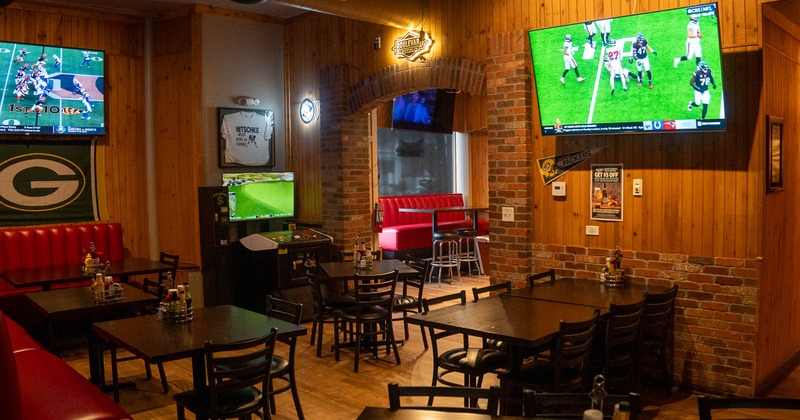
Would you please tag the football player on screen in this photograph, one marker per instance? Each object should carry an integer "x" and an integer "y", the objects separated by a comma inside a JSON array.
[
  {"x": 569, "y": 59},
  {"x": 86, "y": 59},
  {"x": 639, "y": 49},
  {"x": 613, "y": 62},
  {"x": 57, "y": 62},
  {"x": 605, "y": 30},
  {"x": 701, "y": 78},
  {"x": 693, "y": 49},
  {"x": 591, "y": 30},
  {"x": 87, "y": 106},
  {"x": 21, "y": 57}
]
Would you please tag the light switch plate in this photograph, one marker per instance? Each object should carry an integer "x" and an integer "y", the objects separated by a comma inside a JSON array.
[
  {"x": 508, "y": 214},
  {"x": 637, "y": 187},
  {"x": 592, "y": 230}
]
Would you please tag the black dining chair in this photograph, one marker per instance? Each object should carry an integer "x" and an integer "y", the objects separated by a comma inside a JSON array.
[
  {"x": 549, "y": 275},
  {"x": 657, "y": 336},
  {"x": 470, "y": 362},
  {"x": 566, "y": 370},
  {"x": 283, "y": 365},
  {"x": 158, "y": 290},
  {"x": 620, "y": 342},
  {"x": 706, "y": 406},
  {"x": 409, "y": 300},
  {"x": 168, "y": 277},
  {"x": 325, "y": 301},
  {"x": 369, "y": 321},
  {"x": 504, "y": 287},
  {"x": 234, "y": 370},
  {"x": 492, "y": 396}
]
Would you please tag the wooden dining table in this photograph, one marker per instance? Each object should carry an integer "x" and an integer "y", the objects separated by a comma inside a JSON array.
[
  {"x": 520, "y": 322},
  {"x": 46, "y": 277},
  {"x": 586, "y": 292},
  {"x": 156, "y": 341},
  {"x": 344, "y": 270}
]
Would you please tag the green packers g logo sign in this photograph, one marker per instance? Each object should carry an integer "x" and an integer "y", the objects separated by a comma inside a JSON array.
[{"x": 40, "y": 182}]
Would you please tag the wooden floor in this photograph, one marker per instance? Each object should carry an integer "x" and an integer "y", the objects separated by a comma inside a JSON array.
[{"x": 331, "y": 390}]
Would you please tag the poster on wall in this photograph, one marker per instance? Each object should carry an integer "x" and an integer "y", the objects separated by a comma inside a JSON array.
[
  {"x": 43, "y": 183},
  {"x": 607, "y": 192},
  {"x": 246, "y": 137}
]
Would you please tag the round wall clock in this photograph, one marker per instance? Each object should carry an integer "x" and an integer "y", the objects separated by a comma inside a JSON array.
[{"x": 308, "y": 110}]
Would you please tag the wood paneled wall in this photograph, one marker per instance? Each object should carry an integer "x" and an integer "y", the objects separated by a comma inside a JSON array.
[
  {"x": 121, "y": 152},
  {"x": 779, "y": 293},
  {"x": 699, "y": 188}
]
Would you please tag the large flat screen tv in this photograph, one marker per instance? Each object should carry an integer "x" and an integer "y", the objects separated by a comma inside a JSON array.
[
  {"x": 51, "y": 91},
  {"x": 649, "y": 72},
  {"x": 260, "y": 195},
  {"x": 424, "y": 110}
]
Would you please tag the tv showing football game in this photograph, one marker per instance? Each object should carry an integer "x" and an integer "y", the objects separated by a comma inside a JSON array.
[
  {"x": 649, "y": 72},
  {"x": 51, "y": 91},
  {"x": 424, "y": 110},
  {"x": 260, "y": 195}
]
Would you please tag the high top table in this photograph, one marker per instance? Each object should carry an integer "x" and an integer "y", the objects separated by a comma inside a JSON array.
[
  {"x": 434, "y": 212},
  {"x": 586, "y": 292}
]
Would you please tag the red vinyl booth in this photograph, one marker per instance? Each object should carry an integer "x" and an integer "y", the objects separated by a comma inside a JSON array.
[
  {"x": 43, "y": 246},
  {"x": 37, "y": 385},
  {"x": 407, "y": 231}
]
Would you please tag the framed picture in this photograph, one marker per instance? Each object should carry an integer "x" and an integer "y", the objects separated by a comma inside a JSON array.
[
  {"x": 774, "y": 153},
  {"x": 246, "y": 137}
]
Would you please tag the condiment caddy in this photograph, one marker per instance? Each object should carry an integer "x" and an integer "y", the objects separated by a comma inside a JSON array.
[
  {"x": 177, "y": 304},
  {"x": 612, "y": 273}
]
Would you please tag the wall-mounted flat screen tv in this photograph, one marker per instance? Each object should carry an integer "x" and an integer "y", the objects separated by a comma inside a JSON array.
[
  {"x": 649, "y": 72},
  {"x": 424, "y": 110},
  {"x": 260, "y": 195},
  {"x": 51, "y": 91}
]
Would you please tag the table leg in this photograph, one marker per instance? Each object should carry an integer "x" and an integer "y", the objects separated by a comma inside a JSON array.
[
  {"x": 96, "y": 368},
  {"x": 198, "y": 370}
]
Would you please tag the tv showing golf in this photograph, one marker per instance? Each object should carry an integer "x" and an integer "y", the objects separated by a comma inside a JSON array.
[
  {"x": 649, "y": 72},
  {"x": 261, "y": 195}
]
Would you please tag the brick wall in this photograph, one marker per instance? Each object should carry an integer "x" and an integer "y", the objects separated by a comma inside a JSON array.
[
  {"x": 511, "y": 164},
  {"x": 715, "y": 312}
]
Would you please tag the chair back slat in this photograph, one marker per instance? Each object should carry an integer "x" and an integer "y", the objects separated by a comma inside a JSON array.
[
  {"x": 235, "y": 368},
  {"x": 491, "y": 395},
  {"x": 549, "y": 275},
  {"x": 504, "y": 287}
]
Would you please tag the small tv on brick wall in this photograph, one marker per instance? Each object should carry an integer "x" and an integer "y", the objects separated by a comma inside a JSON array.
[
  {"x": 650, "y": 72},
  {"x": 424, "y": 110},
  {"x": 51, "y": 91}
]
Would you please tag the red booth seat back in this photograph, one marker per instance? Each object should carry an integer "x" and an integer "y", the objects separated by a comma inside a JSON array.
[
  {"x": 393, "y": 217},
  {"x": 43, "y": 246}
]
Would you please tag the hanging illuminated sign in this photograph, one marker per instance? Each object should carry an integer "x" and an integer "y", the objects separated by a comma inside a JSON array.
[{"x": 412, "y": 45}]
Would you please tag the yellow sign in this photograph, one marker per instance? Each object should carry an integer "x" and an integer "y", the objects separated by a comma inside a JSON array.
[{"x": 412, "y": 45}]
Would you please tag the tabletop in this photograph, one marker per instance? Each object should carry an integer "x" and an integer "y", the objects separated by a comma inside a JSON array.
[
  {"x": 380, "y": 413},
  {"x": 586, "y": 292},
  {"x": 156, "y": 341},
  {"x": 452, "y": 209},
  {"x": 520, "y": 322},
  {"x": 346, "y": 271},
  {"x": 77, "y": 302},
  {"x": 50, "y": 275}
]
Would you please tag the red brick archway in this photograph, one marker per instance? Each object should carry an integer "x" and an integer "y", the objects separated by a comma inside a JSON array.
[{"x": 344, "y": 131}]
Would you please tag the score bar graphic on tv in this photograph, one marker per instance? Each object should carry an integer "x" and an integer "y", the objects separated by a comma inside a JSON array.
[
  {"x": 650, "y": 72},
  {"x": 50, "y": 90}
]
